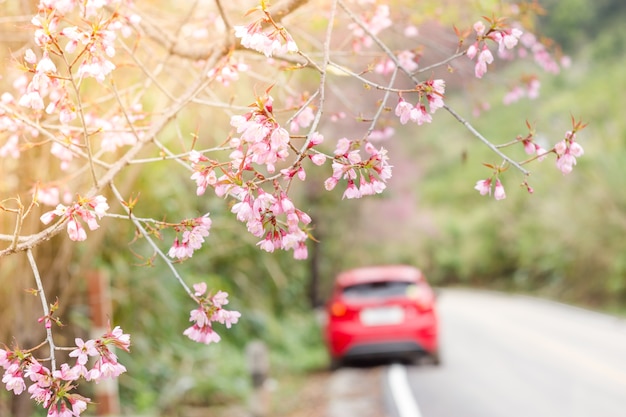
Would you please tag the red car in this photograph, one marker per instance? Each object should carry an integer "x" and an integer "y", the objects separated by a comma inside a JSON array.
[{"x": 382, "y": 312}]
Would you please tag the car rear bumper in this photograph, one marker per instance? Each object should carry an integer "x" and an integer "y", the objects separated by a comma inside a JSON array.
[{"x": 399, "y": 348}]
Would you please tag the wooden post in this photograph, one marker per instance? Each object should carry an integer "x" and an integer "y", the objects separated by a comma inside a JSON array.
[
  {"x": 107, "y": 395},
  {"x": 259, "y": 366}
]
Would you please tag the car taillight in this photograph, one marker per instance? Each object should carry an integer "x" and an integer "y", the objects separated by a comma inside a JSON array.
[{"x": 338, "y": 309}]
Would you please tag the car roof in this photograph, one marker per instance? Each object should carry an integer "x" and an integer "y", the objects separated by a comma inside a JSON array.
[{"x": 378, "y": 273}]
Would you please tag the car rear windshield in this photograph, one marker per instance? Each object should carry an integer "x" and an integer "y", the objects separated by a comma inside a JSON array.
[{"x": 382, "y": 289}]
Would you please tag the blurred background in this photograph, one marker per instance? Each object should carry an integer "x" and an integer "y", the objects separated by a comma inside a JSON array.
[{"x": 565, "y": 242}]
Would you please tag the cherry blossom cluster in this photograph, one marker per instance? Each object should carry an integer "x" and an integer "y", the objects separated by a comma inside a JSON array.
[
  {"x": 485, "y": 187},
  {"x": 371, "y": 174},
  {"x": 113, "y": 130},
  {"x": 193, "y": 233},
  {"x": 274, "y": 219},
  {"x": 89, "y": 210},
  {"x": 55, "y": 389},
  {"x": 433, "y": 91},
  {"x": 529, "y": 88},
  {"x": 13, "y": 127},
  {"x": 96, "y": 41},
  {"x": 269, "y": 42},
  {"x": 210, "y": 310},
  {"x": 227, "y": 71},
  {"x": 506, "y": 38},
  {"x": 32, "y": 93},
  {"x": 262, "y": 140},
  {"x": 45, "y": 88},
  {"x": 566, "y": 150},
  {"x": 407, "y": 60},
  {"x": 540, "y": 54},
  {"x": 374, "y": 23},
  {"x": 50, "y": 195}
]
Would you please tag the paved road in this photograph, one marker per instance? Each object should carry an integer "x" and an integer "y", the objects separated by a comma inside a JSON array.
[{"x": 513, "y": 356}]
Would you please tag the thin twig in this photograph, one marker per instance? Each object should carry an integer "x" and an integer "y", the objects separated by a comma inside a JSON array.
[
  {"x": 44, "y": 304},
  {"x": 379, "y": 111},
  {"x": 490, "y": 145},
  {"x": 150, "y": 241}
]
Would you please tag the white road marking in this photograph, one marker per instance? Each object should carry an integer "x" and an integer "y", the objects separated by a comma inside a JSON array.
[{"x": 401, "y": 392}]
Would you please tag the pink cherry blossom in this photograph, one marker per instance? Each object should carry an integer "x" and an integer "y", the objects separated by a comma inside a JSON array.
[
  {"x": 83, "y": 350},
  {"x": 498, "y": 192},
  {"x": 204, "y": 334},
  {"x": 199, "y": 288},
  {"x": 485, "y": 57},
  {"x": 318, "y": 158},
  {"x": 88, "y": 210},
  {"x": 194, "y": 232},
  {"x": 13, "y": 379},
  {"x": 278, "y": 41},
  {"x": 567, "y": 150},
  {"x": 302, "y": 120},
  {"x": 479, "y": 28},
  {"x": 375, "y": 22},
  {"x": 403, "y": 110},
  {"x": 483, "y": 186},
  {"x": 210, "y": 310},
  {"x": 472, "y": 51}
]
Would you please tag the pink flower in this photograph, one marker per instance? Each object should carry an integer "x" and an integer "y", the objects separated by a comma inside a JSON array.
[
  {"x": 76, "y": 231},
  {"x": 267, "y": 244},
  {"x": 118, "y": 338},
  {"x": 541, "y": 153},
  {"x": 301, "y": 251},
  {"x": 226, "y": 317},
  {"x": 472, "y": 50},
  {"x": 403, "y": 111},
  {"x": 407, "y": 60},
  {"x": 302, "y": 119},
  {"x": 204, "y": 334},
  {"x": 318, "y": 158},
  {"x": 508, "y": 39},
  {"x": 375, "y": 23},
  {"x": 4, "y": 361},
  {"x": 437, "y": 89},
  {"x": 479, "y": 28},
  {"x": 330, "y": 183},
  {"x": 351, "y": 191},
  {"x": 65, "y": 373},
  {"x": 483, "y": 186},
  {"x": 220, "y": 299},
  {"x": 83, "y": 350},
  {"x": 420, "y": 116},
  {"x": 268, "y": 43},
  {"x": 485, "y": 57},
  {"x": 78, "y": 404},
  {"x": 13, "y": 379},
  {"x": 411, "y": 31},
  {"x": 33, "y": 100},
  {"x": 498, "y": 192},
  {"x": 86, "y": 209},
  {"x": 343, "y": 146},
  {"x": 567, "y": 151},
  {"x": 199, "y": 289},
  {"x": 46, "y": 65},
  {"x": 195, "y": 230},
  {"x": 109, "y": 367}
]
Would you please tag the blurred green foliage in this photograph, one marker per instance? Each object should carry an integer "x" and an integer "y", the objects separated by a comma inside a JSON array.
[{"x": 566, "y": 240}]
